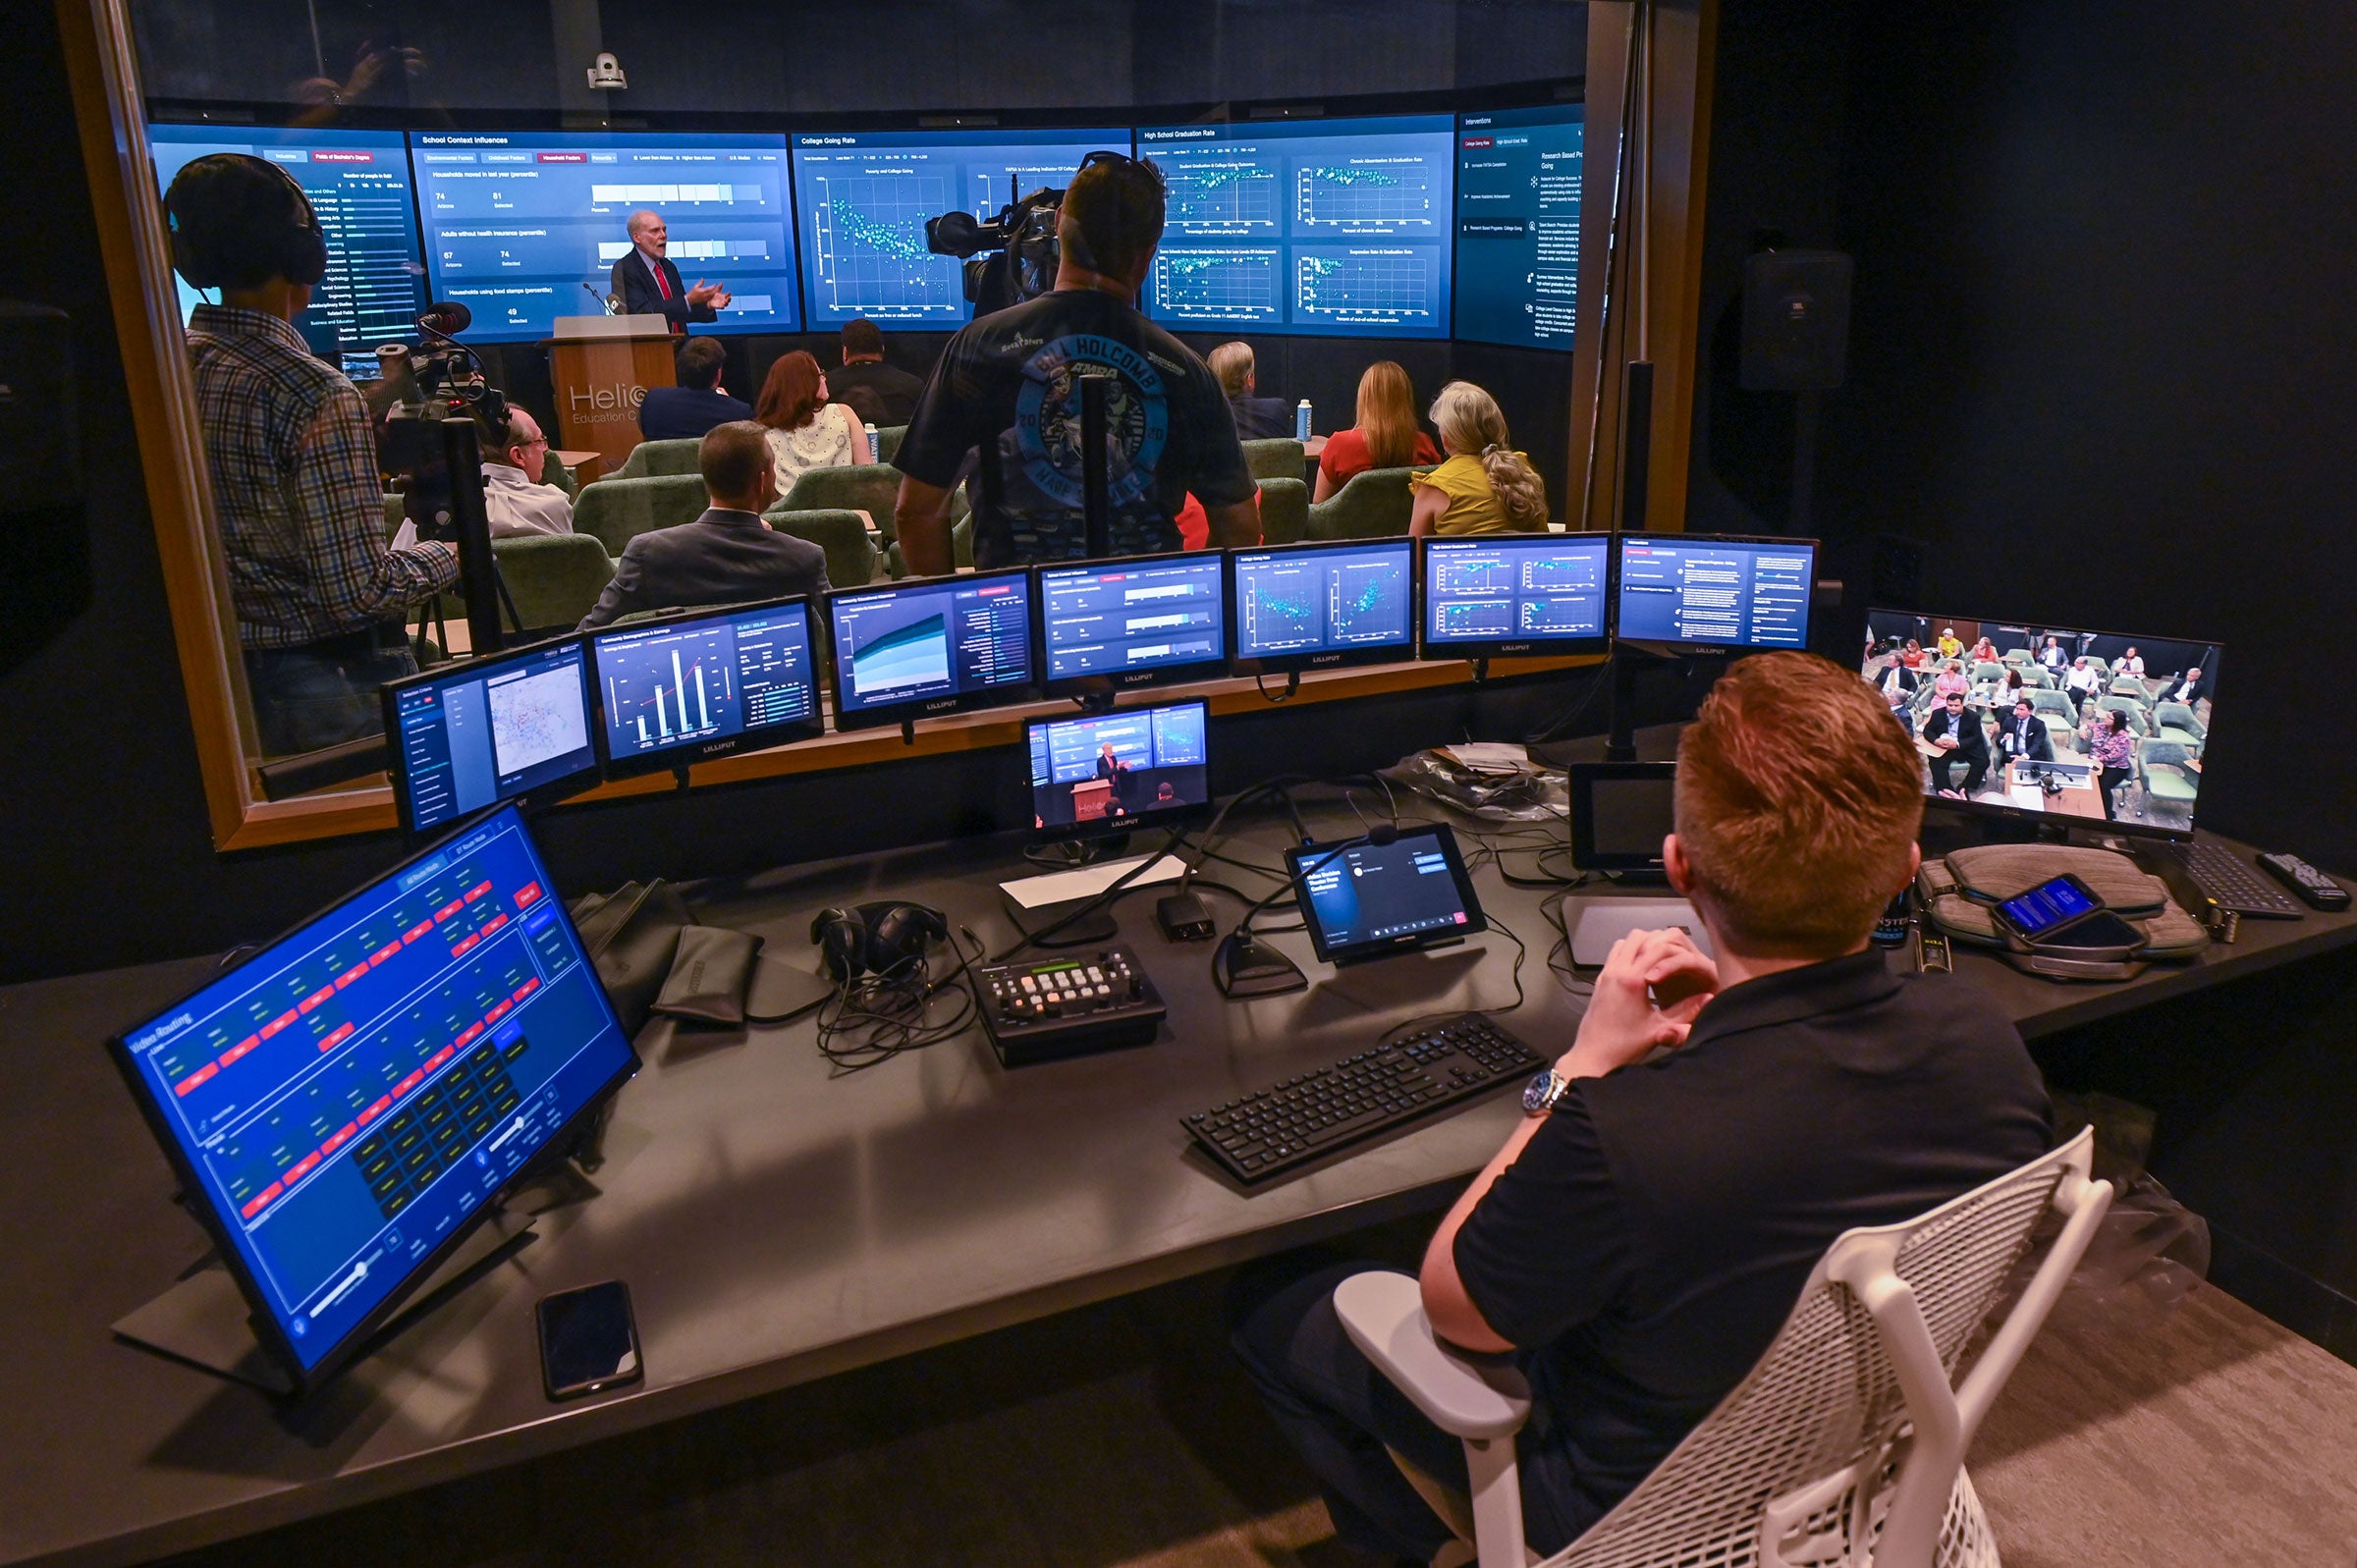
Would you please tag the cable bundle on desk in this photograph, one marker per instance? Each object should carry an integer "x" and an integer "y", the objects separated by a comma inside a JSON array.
[{"x": 872, "y": 1018}]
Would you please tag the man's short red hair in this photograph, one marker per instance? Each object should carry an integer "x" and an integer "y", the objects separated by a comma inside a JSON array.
[{"x": 1799, "y": 801}]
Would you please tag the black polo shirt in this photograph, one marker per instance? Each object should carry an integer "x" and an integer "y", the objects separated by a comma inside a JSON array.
[{"x": 1650, "y": 1239}]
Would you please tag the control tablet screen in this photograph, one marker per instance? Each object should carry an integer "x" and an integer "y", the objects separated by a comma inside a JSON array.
[{"x": 1366, "y": 899}]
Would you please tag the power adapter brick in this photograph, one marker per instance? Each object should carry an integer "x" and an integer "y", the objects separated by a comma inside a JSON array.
[{"x": 1184, "y": 917}]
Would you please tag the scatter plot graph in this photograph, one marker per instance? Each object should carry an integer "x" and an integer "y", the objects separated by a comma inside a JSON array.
[
  {"x": 1384, "y": 285},
  {"x": 1220, "y": 193},
  {"x": 1280, "y": 609},
  {"x": 1361, "y": 196},
  {"x": 868, "y": 247},
  {"x": 1236, "y": 285},
  {"x": 1369, "y": 603}
]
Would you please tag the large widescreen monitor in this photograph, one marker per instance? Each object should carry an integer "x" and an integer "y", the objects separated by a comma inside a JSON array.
[
  {"x": 931, "y": 646},
  {"x": 506, "y": 726},
  {"x": 1133, "y": 622},
  {"x": 1715, "y": 591},
  {"x": 1322, "y": 606},
  {"x": 1517, "y": 225},
  {"x": 1500, "y": 594},
  {"x": 2114, "y": 727},
  {"x": 517, "y": 222},
  {"x": 359, "y": 182},
  {"x": 865, "y": 197},
  {"x": 1111, "y": 773},
  {"x": 703, "y": 685},
  {"x": 1336, "y": 227},
  {"x": 343, "y": 1107}
]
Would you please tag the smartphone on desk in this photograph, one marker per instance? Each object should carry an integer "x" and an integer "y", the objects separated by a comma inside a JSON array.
[{"x": 589, "y": 1342}]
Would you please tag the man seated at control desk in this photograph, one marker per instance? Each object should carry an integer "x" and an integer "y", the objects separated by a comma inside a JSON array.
[
  {"x": 728, "y": 556},
  {"x": 1008, "y": 384},
  {"x": 319, "y": 597},
  {"x": 1640, "y": 1238},
  {"x": 515, "y": 457}
]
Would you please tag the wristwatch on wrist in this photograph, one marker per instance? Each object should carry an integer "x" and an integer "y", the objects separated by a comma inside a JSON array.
[{"x": 1544, "y": 1091}]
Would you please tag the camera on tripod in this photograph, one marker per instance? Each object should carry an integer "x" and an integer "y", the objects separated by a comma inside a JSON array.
[
  {"x": 1008, "y": 259},
  {"x": 430, "y": 451}
]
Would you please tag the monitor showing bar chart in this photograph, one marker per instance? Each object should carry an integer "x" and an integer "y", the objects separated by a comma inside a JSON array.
[{"x": 705, "y": 685}]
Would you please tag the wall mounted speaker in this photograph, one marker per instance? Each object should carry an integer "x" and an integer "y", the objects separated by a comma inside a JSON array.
[{"x": 1795, "y": 320}]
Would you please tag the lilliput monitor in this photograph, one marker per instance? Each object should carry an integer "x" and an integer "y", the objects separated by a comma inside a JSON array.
[
  {"x": 931, "y": 646},
  {"x": 705, "y": 686},
  {"x": 1112, "y": 772}
]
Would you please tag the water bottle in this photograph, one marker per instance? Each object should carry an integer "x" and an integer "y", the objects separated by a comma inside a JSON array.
[
  {"x": 875, "y": 442},
  {"x": 1301, "y": 421}
]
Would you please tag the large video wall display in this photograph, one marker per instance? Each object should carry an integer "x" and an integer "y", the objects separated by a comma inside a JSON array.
[
  {"x": 525, "y": 227},
  {"x": 1517, "y": 225}
]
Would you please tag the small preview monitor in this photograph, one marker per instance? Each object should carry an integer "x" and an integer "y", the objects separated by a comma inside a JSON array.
[
  {"x": 1715, "y": 591},
  {"x": 1133, "y": 622},
  {"x": 1620, "y": 812},
  {"x": 1518, "y": 177},
  {"x": 934, "y": 645},
  {"x": 1322, "y": 606},
  {"x": 1497, "y": 595},
  {"x": 2100, "y": 727},
  {"x": 1367, "y": 900},
  {"x": 343, "y": 1107},
  {"x": 1113, "y": 772},
  {"x": 705, "y": 686},
  {"x": 506, "y": 726}
]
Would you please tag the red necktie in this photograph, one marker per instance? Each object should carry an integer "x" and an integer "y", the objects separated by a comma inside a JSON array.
[{"x": 662, "y": 283}]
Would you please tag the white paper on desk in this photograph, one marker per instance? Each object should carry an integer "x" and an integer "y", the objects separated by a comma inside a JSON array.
[
  {"x": 1491, "y": 756},
  {"x": 404, "y": 536},
  {"x": 1064, "y": 886},
  {"x": 2027, "y": 796}
]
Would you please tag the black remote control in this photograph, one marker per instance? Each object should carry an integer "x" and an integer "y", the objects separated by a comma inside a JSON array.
[{"x": 2318, "y": 889}]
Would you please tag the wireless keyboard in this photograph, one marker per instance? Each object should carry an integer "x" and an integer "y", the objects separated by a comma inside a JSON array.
[
  {"x": 1309, "y": 1117},
  {"x": 2226, "y": 880}
]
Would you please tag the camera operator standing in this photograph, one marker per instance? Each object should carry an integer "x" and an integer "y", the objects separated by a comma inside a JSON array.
[
  {"x": 318, "y": 596},
  {"x": 1008, "y": 384}
]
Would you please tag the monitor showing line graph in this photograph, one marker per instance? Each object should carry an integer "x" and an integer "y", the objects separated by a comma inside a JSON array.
[
  {"x": 863, "y": 198},
  {"x": 931, "y": 645},
  {"x": 1490, "y": 595},
  {"x": 1322, "y": 606},
  {"x": 524, "y": 226},
  {"x": 702, "y": 686},
  {"x": 1336, "y": 227}
]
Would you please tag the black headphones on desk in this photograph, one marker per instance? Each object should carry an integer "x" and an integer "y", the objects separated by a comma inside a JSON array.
[
  {"x": 251, "y": 222},
  {"x": 883, "y": 939}
]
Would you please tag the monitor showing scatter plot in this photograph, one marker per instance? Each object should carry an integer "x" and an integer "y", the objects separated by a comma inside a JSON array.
[
  {"x": 1336, "y": 227},
  {"x": 1494, "y": 595},
  {"x": 1322, "y": 606},
  {"x": 864, "y": 196},
  {"x": 1518, "y": 176}
]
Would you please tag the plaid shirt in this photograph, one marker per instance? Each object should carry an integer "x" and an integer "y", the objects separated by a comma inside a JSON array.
[{"x": 296, "y": 487}]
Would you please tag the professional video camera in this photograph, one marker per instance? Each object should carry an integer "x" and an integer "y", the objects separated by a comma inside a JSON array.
[
  {"x": 1020, "y": 245},
  {"x": 432, "y": 454}
]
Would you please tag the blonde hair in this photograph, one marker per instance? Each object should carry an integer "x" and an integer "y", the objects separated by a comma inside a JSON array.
[
  {"x": 1387, "y": 415},
  {"x": 1470, "y": 422},
  {"x": 1797, "y": 801},
  {"x": 1231, "y": 362}
]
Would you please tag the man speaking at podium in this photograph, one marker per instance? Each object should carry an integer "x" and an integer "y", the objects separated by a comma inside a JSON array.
[{"x": 648, "y": 285}]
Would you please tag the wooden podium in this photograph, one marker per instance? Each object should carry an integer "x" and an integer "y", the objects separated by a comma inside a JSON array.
[{"x": 601, "y": 368}]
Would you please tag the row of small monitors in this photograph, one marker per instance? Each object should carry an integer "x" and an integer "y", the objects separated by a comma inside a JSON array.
[
  {"x": 658, "y": 694},
  {"x": 1422, "y": 225}
]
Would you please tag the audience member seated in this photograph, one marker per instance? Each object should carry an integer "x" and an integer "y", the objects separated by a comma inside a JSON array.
[
  {"x": 1485, "y": 486},
  {"x": 1386, "y": 435},
  {"x": 2024, "y": 737},
  {"x": 1898, "y": 684},
  {"x": 2051, "y": 655},
  {"x": 2084, "y": 684},
  {"x": 1912, "y": 655},
  {"x": 2131, "y": 663},
  {"x": 698, "y": 403},
  {"x": 1951, "y": 680},
  {"x": 726, "y": 556},
  {"x": 1956, "y": 737},
  {"x": 2111, "y": 746},
  {"x": 2013, "y": 685},
  {"x": 319, "y": 598},
  {"x": 1950, "y": 645},
  {"x": 805, "y": 430},
  {"x": 1257, "y": 419},
  {"x": 865, "y": 405},
  {"x": 1639, "y": 1239},
  {"x": 2188, "y": 686},
  {"x": 1982, "y": 652},
  {"x": 894, "y": 389},
  {"x": 515, "y": 457}
]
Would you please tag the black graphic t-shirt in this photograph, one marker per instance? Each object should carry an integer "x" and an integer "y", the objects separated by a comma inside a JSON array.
[{"x": 1013, "y": 380}]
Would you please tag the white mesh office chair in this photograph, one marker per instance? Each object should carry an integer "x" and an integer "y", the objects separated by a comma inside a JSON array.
[{"x": 1845, "y": 1446}]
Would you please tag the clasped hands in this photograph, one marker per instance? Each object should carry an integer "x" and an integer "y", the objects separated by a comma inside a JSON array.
[{"x": 1652, "y": 985}]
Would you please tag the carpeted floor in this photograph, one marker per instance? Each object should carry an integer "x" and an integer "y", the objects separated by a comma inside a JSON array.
[{"x": 1120, "y": 1436}]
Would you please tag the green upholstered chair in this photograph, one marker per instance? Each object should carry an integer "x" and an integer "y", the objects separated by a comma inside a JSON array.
[
  {"x": 1280, "y": 457},
  {"x": 870, "y": 487},
  {"x": 554, "y": 579},
  {"x": 962, "y": 546},
  {"x": 615, "y": 511},
  {"x": 2055, "y": 708},
  {"x": 852, "y": 556},
  {"x": 1986, "y": 671},
  {"x": 888, "y": 441},
  {"x": 1283, "y": 511},
  {"x": 559, "y": 478},
  {"x": 2161, "y": 769},
  {"x": 2130, "y": 686},
  {"x": 2102, "y": 667},
  {"x": 2174, "y": 721},
  {"x": 653, "y": 460},
  {"x": 394, "y": 513},
  {"x": 2140, "y": 721},
  {"x": 2020, "y": 656},
  {"x": 1374, "y": 505}
]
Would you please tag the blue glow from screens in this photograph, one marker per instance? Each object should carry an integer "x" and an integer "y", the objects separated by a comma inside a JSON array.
[
  {"x": 355, "y": 1092},
  {"x": 865, "y": 197},
  {"x": 931, "y": 644},
  {"x": 692, "y": 685},
  {"x": 1514, "y": 588},
  {"x": 1728, "y": 594},
  {"x": 1324, "y": 600},
  {"x": 2046, "y": 906},
  {"x": 1119, "y": 619},
  {"x": 1332, "y": 227},
  {"x": 1518, "y": 178},
  {"x": 516, "y": 222},
  {"x": 1159, "y": 762},
  {"x": 490, "y": 731}
]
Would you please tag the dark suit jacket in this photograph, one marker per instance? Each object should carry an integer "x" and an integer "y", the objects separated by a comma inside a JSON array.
[
  {"x": 722, "y": 557},
  {"x": 895, "y": 389},
  {"x": 2041, "y": 747},
  {"x": 1261, "y": 418},
  {"x": 1116, "y": 774},
  {"x": 1973, "y": 742},
  {"x": 640, "y": 297},
  {"x": 684, "y": 413}
]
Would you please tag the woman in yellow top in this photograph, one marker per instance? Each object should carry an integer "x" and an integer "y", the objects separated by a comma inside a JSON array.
[
  {"x": 1486, "y": 486},
  {"x": 1951, "y": 644}
]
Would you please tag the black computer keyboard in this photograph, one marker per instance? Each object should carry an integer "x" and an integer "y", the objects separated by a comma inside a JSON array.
[
  {"x": 2233, "y": 883},
  {"x": 1305, "y": 1118}
]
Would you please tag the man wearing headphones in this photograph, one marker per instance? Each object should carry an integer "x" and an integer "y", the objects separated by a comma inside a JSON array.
[{"x": 318, "y": 596}]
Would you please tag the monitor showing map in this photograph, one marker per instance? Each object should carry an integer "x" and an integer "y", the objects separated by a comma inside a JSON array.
[
  {"x": 864, "y": 196},
  {"x": 524, "y": 226},
  {"x": 506, "y": 726},
  {"x": 1328, "y": 227}
]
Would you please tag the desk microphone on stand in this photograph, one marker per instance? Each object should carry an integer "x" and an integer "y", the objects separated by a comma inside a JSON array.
[{"x": 609, "y": 303}]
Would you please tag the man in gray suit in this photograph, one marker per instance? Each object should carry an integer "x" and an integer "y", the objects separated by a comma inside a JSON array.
[{"x": 728, "y": 555}]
